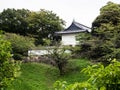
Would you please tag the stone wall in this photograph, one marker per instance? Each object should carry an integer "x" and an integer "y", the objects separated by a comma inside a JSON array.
[{"x": 39, "y": 59}]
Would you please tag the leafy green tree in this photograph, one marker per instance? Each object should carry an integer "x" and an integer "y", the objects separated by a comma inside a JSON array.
[
  {"x": 104, "y": 41},
  {"x": 60, "y": 56},
  {"x": 106, "y": 25},
  {"x": 14, "y": 21},
  {"x": 43, "y": 24},
  {"x": 109, "y": 13},
  {"x": 8, "y": 67},
  {"x": 40, "y": 25}
]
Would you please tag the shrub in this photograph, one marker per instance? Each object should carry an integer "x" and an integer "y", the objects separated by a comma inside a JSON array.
[
  {"x": 8, "y": 67},
  {"x": 20, "y": 45},
  {"x": 60, "y": 57},
  {"x": 107, "y": 77}
]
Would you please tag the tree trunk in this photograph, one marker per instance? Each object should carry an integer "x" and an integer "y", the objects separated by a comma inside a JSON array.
[{"x": 61, "y": 68}]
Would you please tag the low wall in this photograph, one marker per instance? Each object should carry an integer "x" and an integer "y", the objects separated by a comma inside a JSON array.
[
  {"x": 42, "y": 52},
  {"x": 37, "y": 52}
]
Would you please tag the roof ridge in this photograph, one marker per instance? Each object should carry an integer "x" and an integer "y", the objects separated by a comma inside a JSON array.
[
  {"x": 75, "y": 27},
  {"x": 80, "y": 24}
]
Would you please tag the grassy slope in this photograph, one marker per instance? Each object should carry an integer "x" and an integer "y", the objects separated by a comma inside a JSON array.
[
  {"x": 74, "y": 75},
  {"x": 36, "y": 76}
]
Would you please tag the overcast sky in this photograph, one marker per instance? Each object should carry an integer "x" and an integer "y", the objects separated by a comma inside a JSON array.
[{"x": 83, "y": 11}]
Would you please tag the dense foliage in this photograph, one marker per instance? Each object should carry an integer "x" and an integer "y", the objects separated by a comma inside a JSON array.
[
  {"x": 20, "y": 45},
  {"x": 14, "y": 21},
  {"x": 39, "y": 25},
  {"x": 60, "y": 57},
  {"x": 106, "y": 29},
  {"x": 100, "y": 78},
  {"x": 104, "y": 40},
  {"x": 8, "y": 67},
  {"x": 43, "y": 25},
  {"x": 109, "y": 13}
]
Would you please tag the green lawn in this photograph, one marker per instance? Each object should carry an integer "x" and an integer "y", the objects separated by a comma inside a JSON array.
[{"x": 37, "y": 76}]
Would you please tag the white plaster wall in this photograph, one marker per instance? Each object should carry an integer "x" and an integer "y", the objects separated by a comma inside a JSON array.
[
  {"x": 69, "y": 39},
  {"x": 42, "y": 52}
]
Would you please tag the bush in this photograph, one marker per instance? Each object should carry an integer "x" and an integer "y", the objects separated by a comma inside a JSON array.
[
  {"x": 20, "y": 45},
  {"x": 8, "y": 67},
  {"x": 104, "y": 76}
]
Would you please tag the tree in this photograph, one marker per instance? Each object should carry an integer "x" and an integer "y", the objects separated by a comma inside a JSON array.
[
  {"x": 8, "y": 67},
  {"x": 106, "y": 25},
  {"x": 40, "y": 25},
  {"x": 43, "y": 24},
  {"x": 105, "y": 31},
  {"x": 14, "y": 21},
  {"x": 109, "y": 13},
  {"x": 60, "y": 57}
]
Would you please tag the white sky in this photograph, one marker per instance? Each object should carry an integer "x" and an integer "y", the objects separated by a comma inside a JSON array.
[{"x": 83, "y": 11}]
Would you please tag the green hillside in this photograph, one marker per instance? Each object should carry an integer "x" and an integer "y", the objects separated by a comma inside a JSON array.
[{"x": 38, "y": 76}]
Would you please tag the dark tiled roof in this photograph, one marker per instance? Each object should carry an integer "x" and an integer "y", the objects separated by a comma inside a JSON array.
[{"x": 74, "y": 28}]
